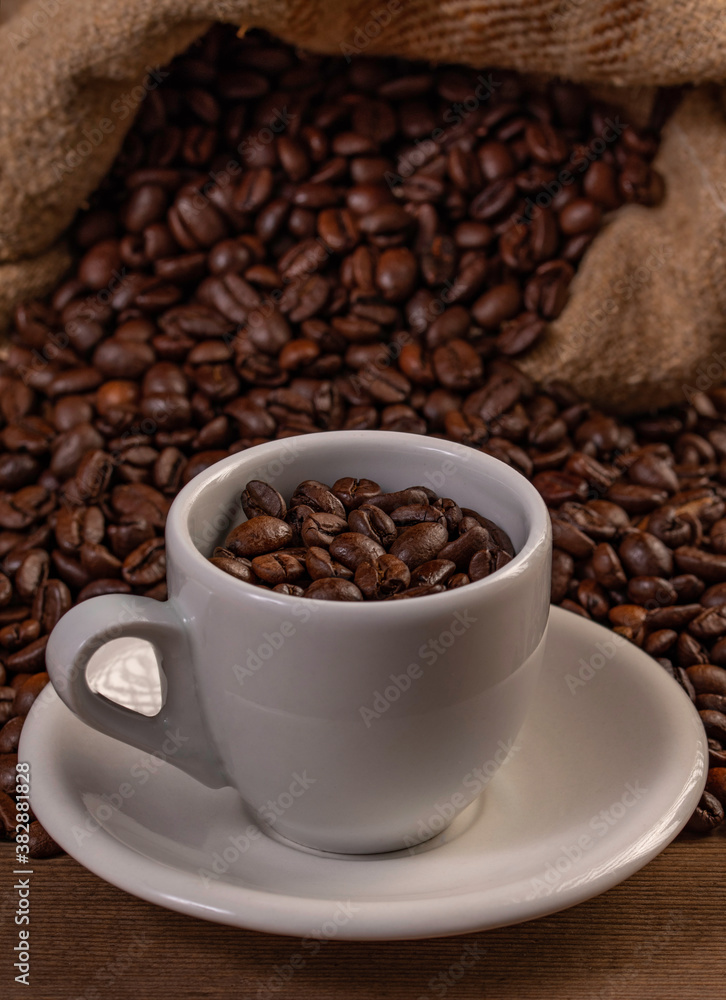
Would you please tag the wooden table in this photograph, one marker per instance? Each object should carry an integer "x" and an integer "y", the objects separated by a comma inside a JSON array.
[{"x": 659, "y": 935}]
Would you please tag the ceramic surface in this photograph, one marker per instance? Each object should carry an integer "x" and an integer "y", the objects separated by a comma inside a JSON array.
[
  {"x": 605, "y": 772},
  {"x": 341, "y": 723}
]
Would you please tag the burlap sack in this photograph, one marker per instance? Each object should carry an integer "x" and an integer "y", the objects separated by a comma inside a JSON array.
[{"x": 644, "y": 322}]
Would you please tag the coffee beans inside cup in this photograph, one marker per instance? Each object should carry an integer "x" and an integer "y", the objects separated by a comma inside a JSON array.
[{"x": 353, "y": 541}]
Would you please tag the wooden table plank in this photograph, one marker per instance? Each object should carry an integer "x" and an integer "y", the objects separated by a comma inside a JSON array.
[{"x": 660, "y": 935}]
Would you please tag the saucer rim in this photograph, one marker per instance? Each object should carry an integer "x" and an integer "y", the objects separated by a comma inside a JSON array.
[{"x": 296, "y": 915}]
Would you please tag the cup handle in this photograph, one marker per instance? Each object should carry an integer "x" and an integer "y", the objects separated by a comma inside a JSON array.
[{"x": 178, "y": 733}]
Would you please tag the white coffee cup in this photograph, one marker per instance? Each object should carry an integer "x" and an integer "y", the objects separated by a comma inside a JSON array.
[{"x": 348, "y": 727}]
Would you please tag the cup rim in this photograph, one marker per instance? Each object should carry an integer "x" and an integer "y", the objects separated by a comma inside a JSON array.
[{"x": 179, "y": 538}]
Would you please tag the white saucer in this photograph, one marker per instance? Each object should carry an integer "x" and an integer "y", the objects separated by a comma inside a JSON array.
[{"x": 609, "y": 767}]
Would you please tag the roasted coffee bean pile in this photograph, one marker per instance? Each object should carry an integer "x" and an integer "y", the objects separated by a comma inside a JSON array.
[
  {"x": 194, "y": 326},
  {"x": 290, "y": 242},
  {"x": 352, "y": 542}
]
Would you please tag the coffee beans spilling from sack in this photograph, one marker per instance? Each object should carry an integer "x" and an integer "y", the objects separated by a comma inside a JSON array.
[
  {"x": 352, "y": 542},
  {"x": 195, "y": 325}
]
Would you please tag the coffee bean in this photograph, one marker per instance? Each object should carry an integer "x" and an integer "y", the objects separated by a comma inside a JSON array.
[
  {"x": 642, "y": 554},
  {"x": 93, "y": 475},
  {"x": 651, "y": 590},
  {"x": 708, "y": 566},
  {"x": 563, "y": 567},
  {"x": 715, "y": 702},
  {"x": 291, "y": 589},
  {"x": 630, "y": 616},
  {"x": 500, "y": 537},
  {"x": 10, "y": 734},
  {"x": 651, "y": 471},
  {"x": 320, "y": 564},
  {"x": 666, "y": 524},
  {"x": 570, "y": 539},
  {"x": 716, "y": 784},
  {"x": 354, "y": 492},
  {"x": 373, "y": 522},
  {"x": 659, "y": 642},
  {"x": 351, "y": 548},
  {"x": 240, "y": 569},
  {"x": 30, "y": 659},
  {"x": 99, "y": 562},
  {"x": 715, "y": 725},
  {"x": 558, "y": 487},
  {"x": 707, "y": 678},
  {"x": 487, "y": 561},
  {"x": 674, "y": 616},
  {"x": 519, "y": 334},
  {"x": 97, "y": 588},
  {"x": 607, "y": 567},
  {"x": 434, "y": 571},
  {"x": 423, "y": 590},
  {"x": 50, "y": 603},
  {"x": 396, "y": 274},
  {"x": 387, "y": 502},
  {"x": 387, "y": 575},
  {"x": 26, "y": 695},
  {"x": 635, "y": 499},
  {"x": 709, "y": 815},
  {"x": 457, "y": 365},
  {"x": 258, "y": 536},
  {"x": 593, "y": 598},
  {"x": 709, "y": 624},
  {"x": 416, "y": 513},
  {"x": 321, "y": 529},
  {"x": 261, "y": 498},
  {"x": 8, "y": 764},
  {"x": 40, "y": 843},
  {"x": 420, "y": 543},
  {"x": 497, "y": 305},
  {"x": 32, "y": 573},
  {"x": 277, "y": 567},
  {"x": 333, "y": 589},
  {"x": 146, "y": 565},
  {"x": 318, "y": 497}
]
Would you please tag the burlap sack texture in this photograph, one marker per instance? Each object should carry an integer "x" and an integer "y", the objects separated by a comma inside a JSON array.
[{"x": 645, "y": 318}]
